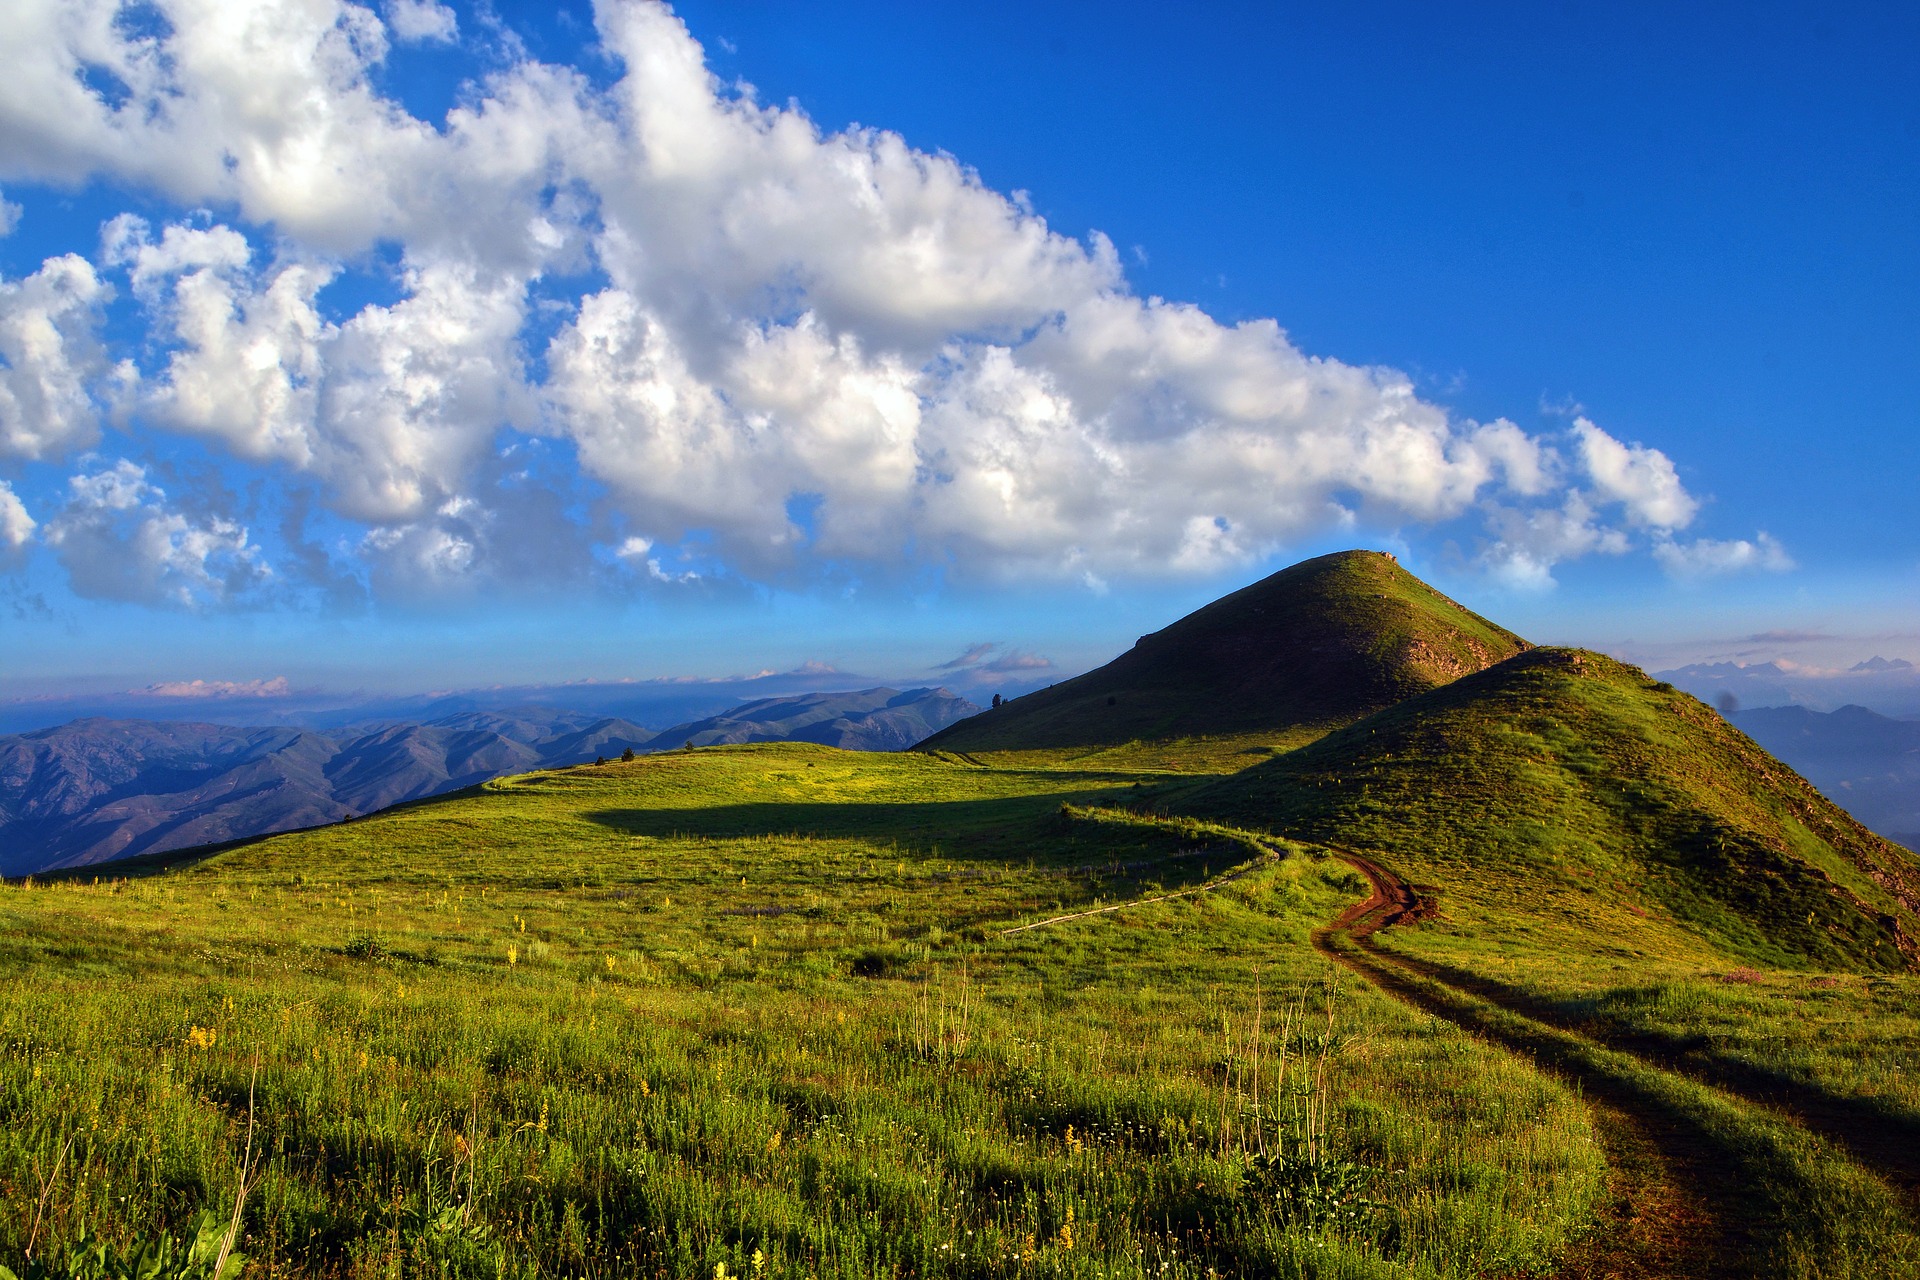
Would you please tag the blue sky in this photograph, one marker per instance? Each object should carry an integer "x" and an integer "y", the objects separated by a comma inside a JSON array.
[{"x": 1602, "y": 317}]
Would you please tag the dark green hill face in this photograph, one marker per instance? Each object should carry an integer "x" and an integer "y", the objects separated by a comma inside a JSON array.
[
  {"x": 1562, "y": 771},
  {"x": 1320, "y": 644}
]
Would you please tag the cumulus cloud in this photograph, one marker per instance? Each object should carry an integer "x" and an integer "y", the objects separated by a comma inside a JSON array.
[
  {"x": 1640, "y": 479},
  {"x": 16, "y": 526},
  {"x": 797, "y": 349},
  {"x": 119, "y": 540},
  {"x": 1705, "y": 557},
  {"x": 415, "y": 20},
  {"x": 51, "y": 360},
  {"x": 9, "y": 216}
]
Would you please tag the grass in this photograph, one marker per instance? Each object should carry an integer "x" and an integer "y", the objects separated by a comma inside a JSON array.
[
  {"x": 1562, "y": 803},
  {"x": 756, "y": 1011},
  {"x": 748, "y": 1011},
  {"x": 1305, "y": 650}
]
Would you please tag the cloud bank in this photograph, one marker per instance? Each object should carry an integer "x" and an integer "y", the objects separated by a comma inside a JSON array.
[{"x": 766, "y": 350}]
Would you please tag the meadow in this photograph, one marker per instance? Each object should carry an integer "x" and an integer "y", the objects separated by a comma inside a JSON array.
[
  {"x": 750, "y": 1011},
  {"x": 788, "y": 1011}
]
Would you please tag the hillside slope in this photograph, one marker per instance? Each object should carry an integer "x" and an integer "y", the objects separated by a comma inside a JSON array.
[
  {"x": 1316, "y": 645},
  {"x": 1562, "y": 772}
]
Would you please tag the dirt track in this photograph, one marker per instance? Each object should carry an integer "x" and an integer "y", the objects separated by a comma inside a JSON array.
[{"x": 1674, "y": 1213}]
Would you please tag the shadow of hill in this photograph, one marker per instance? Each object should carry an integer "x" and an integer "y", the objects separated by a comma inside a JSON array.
[{"x": 1028, "y": 829}]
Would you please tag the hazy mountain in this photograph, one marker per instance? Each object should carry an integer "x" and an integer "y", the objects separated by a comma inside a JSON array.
[
  {"x": 1316, "y": 645},
  {"x": 1866, "y": 762},
  {"x": 1890, "y": 686},
  {"x": 99, "y": 788},
  {"x": 870, "y": 720}
]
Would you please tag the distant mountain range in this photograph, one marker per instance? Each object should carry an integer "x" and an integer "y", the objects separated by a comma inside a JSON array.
[
  {"x": 1867, "y": 763},
  {"x": 1890, "y": 686},
  {"x": 99, "y": 789}
]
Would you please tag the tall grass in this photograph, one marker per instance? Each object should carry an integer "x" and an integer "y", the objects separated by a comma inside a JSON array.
[{"x": 760, "y": 1020}]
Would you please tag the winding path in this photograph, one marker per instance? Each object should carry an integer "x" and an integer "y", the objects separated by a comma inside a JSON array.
[{"x": 1674, "y": 1210}]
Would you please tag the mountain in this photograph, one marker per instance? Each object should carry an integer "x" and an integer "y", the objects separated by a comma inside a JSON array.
[
  {"x": 1890, "y": 686},
  {"x": 1314, "y": 646},
  {"x": 1560, "y": 771},
  {"x": 1867, "y": 763},
  {"x": 98, "y": 789},
  {"x": 870, "y": 720}
]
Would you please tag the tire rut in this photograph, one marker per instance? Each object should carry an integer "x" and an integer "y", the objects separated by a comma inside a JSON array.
[
  {"x": 1674, "y": 1210},
  {"x": 1887, "y": 1144}
]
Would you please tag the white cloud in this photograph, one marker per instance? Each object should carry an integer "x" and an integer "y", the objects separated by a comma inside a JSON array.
[
  {"x": 1641, "y": 479},
  {"x": 415, "y": 20},
  {"x": 1529, "y": 542},
  {"x": 51, "y": 359},
  {"x": 119, "y": 540},
  {"x": 1705, "y": 557},
  {"x": 277, "y": 687},
  {"x": 799, "y": 347},
  {"x": 9, "y": 216},
  {"x": 16, "y": 526},
  {"x": 391, "y": 408}
]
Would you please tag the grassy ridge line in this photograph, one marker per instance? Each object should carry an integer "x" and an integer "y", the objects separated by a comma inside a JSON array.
[
  {"x": 1566, "y": 800},
  {"x": 1784, "y": 1204}
]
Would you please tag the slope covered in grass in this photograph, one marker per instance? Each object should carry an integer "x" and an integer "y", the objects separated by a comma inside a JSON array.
[
  {"x": 1563, "y": 783},
  {"x": 1319, "y": 644},
  {"x": 748, "y": 1011}
]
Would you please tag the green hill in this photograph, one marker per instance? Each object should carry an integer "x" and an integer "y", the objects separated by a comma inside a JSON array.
[
  {"x": 1561, "y": 782},
  {"x": 1316, "y": 645}
]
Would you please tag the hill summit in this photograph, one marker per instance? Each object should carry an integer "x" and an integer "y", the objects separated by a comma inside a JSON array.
[
  {"x": 1310, "y": 648},
  {"x": 1568, "y": 780}
]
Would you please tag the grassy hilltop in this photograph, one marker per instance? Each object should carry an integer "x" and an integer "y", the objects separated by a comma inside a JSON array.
[
  {"x": 1310, "y": 648},
  {"x": 1565, "y": 787},
  {"x": 1120, "y": 1007}
]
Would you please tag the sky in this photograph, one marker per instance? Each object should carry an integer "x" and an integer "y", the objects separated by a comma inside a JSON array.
[{"x": 418, "y": 346}]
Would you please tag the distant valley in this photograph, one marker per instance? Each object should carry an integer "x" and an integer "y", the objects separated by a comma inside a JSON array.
[{"x": 98, "y": 789}]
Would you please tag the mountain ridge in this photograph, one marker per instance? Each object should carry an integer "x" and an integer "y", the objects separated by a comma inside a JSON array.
[
  {"x": 99, "y": 789},
  {"x": 1319, "y": 644},
  {"x": 1569, "y": 769}
]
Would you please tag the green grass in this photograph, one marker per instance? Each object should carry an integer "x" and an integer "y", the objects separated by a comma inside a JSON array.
[
  {"x": 1563, "y": 803},
  {"x": 1307, "y": 649},
  {"x": 660, "y": 1018}
]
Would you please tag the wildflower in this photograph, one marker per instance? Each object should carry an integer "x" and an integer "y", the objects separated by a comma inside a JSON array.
[
  {"x": 200, "y": 1038},
  {"x": 610, "y": 964},
  {"x": 513, "y": 955},
  {"x": 1066, "y": 1230}
]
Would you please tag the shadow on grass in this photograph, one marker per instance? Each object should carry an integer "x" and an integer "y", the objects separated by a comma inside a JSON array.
[
  {"x": 1029, "y": 826},
  {"x": 1883, "y": 1138},
  {"x": 1724, "y": 1176}
]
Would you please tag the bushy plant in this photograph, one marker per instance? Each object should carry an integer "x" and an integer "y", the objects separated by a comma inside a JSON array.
[{"x": 204, "y": 1255}]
